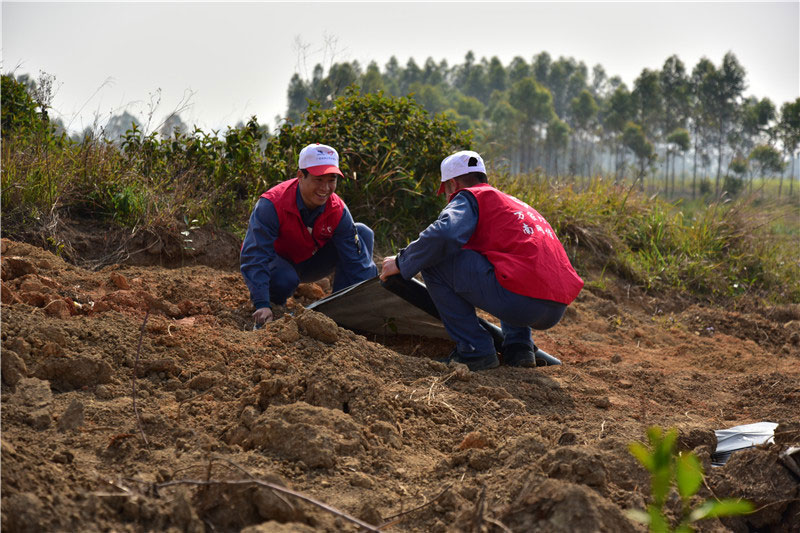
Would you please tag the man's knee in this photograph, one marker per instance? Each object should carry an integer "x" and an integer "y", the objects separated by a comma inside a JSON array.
[{"x": 365, "y": 235}]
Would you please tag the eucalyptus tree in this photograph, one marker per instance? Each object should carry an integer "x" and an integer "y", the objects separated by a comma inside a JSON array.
[
  {"x": 433, "y": 74},
  {"x": 411, "y": 74},
  {"x": 616, "y": 113},
  {"x": 518, "y": 69},
  {"x": 372, "y": 81},
  {"x": 556, "y": 140},
  {"x": 765, "y": 160},
  {"x": 497, "y": 77},
  {"x": 391, "y": 75},
  {"x": 583, "y": 113},
  {"x": 675, "y": 92},
  {"x": 722, "y": 89},
  {"x": 599, "y": 85},
  {"x": 677, "y": 141},
  {"x": 755, "y": 128},
  {"x": 540, "y": 68},
  {"x": 298, "y": 94},
  {"x": 505, "y": 122},
  {"x": 566, "y": 79},
  {"x": 648, "y": 102},
  {"x": 702, "y": 84},
  {"x": 342, "y": 76},
  {"x": 535, "y": 104},
  {"x": 789, "y": 135},
  {"x": 430, "y": 97},
  {"x": 476, "y": 82},
  {"x": 633, "y": 137}
]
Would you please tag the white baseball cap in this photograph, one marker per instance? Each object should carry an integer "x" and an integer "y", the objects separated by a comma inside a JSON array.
[
  {"x": 319, "y": 159},
  {"x": 460, "y": 163}
]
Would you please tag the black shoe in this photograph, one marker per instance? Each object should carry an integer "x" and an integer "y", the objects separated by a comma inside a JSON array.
[
  {"x": 519, "y": 354},
  {"x": 474, "y": 363}
]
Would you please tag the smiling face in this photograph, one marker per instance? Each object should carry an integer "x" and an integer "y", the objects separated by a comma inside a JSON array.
[{"x": 315, "y": 190}]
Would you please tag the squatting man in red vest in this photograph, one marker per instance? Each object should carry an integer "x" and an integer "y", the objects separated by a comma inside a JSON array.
[
  {"x": 489, "y": 250},
  {"x": 301, "y": 231}
]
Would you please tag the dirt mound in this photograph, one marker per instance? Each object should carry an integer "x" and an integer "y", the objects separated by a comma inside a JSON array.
[{"x": 373, "y": 427}]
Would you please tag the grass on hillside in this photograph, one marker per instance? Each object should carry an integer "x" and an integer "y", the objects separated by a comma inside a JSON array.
[{"x": 729, "y": 248}]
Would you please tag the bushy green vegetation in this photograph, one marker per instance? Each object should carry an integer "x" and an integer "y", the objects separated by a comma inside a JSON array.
[
  {"x": 684, "y": 472},
  {"x": 390, "y": 151},
  {"x": 725, "y": 249}
]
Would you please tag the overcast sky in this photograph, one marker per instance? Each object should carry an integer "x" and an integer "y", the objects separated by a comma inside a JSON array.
[{"x": 235, "y": 60}]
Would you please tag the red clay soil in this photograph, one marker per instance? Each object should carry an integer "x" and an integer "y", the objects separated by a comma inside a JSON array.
[{"x": 371, "y": 427}]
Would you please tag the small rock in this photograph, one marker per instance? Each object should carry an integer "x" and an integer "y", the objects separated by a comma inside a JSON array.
[
  {"x": 51, "y": 349},
  {"x": 7, "y": 296},
  {"x": 461, "y": 371},
  {"x": 39, "y": 419},
  {"x": 72, "y": 417},
  {"x": 369, "y": 514},
  {"x": 104, "y": 392},
  {"x": 35, "y": 299},
  {"x": 360, "y": 479},
  {"x": 13, "y": 367},
  {"x": 120, "y": 281},
  {"x": 285, "y": 329},
  {"x": 64, "y": 457},
  {"x": 319, "y": 326},
  {"x": 248, "y": 416},
  {"x": 616, "y": 358},
  {"x": 387, "y": 433},
  {"x": 624, "y": 384},
  {"x": 19, "y": 345},
  {"x": 311, "y": 291},
  {"x": 166, "y": 365},
  {"x": 567, "y": 438},
  {"x": 32, "y": 392},
  {"x": 473, "y": 440},
  {"x": 14, "y": 267},
  {"x": 602, "y": 403},
  {"x": 205, "y": 380},
  {"x": 68, "y": 373},
  {"x": 59, "y": 309},
  {"x": 691, "y": 438}
]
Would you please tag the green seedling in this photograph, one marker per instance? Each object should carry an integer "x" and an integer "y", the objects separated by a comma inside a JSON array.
[{"x": 683, "y": 470}]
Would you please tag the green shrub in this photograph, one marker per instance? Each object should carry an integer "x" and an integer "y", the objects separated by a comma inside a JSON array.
[{"x": 390, "y": 151}]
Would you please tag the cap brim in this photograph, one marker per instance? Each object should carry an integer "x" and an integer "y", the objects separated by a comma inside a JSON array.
[
  {"x": 441, "y": 188},
  {"x": 321, "y": 170}
]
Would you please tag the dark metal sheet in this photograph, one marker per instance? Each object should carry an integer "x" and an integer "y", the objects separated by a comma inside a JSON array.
[{"x": 369, "y": 307}]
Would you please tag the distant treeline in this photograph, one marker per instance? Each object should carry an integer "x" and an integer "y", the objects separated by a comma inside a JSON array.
[{"x": 557, "y": 116}]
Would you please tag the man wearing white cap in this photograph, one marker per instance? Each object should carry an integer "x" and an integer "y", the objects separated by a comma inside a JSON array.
[
  {"x": 490, "y": 250},
  {"x": 301, "y": 231}
]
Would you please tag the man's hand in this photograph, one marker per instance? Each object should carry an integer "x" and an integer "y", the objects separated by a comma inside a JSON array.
[
  {"x": 262, "y": 315},
  {"x": 389, "y": 267}
]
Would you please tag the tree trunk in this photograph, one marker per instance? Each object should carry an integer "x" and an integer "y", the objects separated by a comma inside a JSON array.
[
  {"x": 719, "y": 165},
  {"x": 666, "y": 174},
  {"x": 673, "y": 175},
  {"x": 694, "y": 172}
]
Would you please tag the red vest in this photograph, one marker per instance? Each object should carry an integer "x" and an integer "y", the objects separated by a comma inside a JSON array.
[
  {"x": 295, "y": 241},
  {"x": 527, "y": 256}
]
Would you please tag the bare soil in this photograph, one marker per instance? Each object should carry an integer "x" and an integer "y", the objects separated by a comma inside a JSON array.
[{"x": 372, "y": 427}]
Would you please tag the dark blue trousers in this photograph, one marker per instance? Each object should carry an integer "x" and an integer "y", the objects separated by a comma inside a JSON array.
[
  {"x": 466, "y": 280},
  {"x": 285, "y": 276}
]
